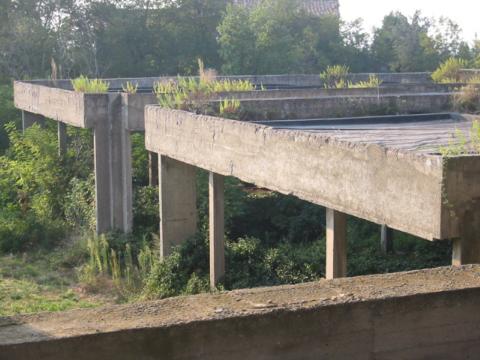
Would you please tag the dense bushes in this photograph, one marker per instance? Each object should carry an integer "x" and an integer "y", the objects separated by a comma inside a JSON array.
[{"x": 32, "y": 186}]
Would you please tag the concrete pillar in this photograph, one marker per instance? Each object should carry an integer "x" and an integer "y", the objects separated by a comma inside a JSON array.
[
  {"x": 216, "y": 228},
  {"x": 386, "y": 240},
  {"x": 178, "y": 203},
  {"x": 336, "y": 244},
  {"x": 466, "y": 249},
  {"x": 28, "y": 119},
  {"x": 152, "y": 169},
  {"x": 62, "y": 138},
  {"x": 113, "y": 170}
]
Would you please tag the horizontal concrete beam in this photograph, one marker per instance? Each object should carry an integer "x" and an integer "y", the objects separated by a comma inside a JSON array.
[
  {"x": 435, "y": 314},
  {"x": 73, "y": 108},
  {"x": 287, "y": 80},
  {"x": 400, "y": 189},
  {"x": 335, "y": 106}
]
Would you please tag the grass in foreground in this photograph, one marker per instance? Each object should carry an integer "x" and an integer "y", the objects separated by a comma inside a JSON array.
[{"x": 31, "y": 283}]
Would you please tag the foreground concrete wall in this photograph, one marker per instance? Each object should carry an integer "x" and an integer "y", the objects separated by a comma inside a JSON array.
[
  {"x": 435, "y": 315},
  {"x": 399, "y": 189}
]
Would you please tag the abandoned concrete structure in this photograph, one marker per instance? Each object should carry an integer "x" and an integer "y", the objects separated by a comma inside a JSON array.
[
  {"x": 242, "y": 149},
  {"x": 115, "y": 115},
  {"x": 334, "y": 147}
]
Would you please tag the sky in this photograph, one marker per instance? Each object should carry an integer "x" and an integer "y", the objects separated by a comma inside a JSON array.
[{"x": 466, "y": 13}]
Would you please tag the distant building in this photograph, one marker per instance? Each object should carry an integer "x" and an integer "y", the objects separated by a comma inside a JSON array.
[{"x": 315, "y": 7}]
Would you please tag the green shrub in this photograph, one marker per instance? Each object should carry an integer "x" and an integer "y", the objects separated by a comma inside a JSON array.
[
  {"x": 85, "y": 85},
  {"x": 449, "y": 71},
  {"x": 129, "y": 88},
  {"x": 335, "y": 77},
  {"x": 32, "y": 187},
  {"x": 80, "y": 204},
  {"x": 372, "y": 82},
  {"x": 467, "y": 99}
]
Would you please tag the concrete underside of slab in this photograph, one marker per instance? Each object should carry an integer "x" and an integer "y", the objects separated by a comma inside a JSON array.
[{"x": 424, "y": 314}]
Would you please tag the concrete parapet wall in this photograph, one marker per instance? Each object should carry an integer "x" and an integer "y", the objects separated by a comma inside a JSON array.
[
  {"x": 267, "y": 80},
  {"x": 400, "y": 189},
  {"x": 431, "y": 314},
  {"x": 342, "y": 106},
  {"x": 73, "y": 108}
]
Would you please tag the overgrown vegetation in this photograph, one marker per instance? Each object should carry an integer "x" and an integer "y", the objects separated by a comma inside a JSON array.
[
  {"x": 85, "y": 85},
  {"x": 130, "y": 88},
  {"x": 196, "y": 94},
  {"x": 463, "y": 144},
  {"x": 449, "y": 71}
]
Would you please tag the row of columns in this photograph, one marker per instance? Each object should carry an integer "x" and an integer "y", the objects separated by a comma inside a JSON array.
[{"x": 178, "y": 219}]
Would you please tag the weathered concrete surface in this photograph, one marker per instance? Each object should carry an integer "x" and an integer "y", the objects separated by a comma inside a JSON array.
[
  {"x": 178, "y": 203},
  {"x": 461, "y": 210},
  {"x": 335, "y": 106},
  {"x": 70, "y": 107},
  {"x": 431, "y": 314},
  {"x": 401, "y": 189},
  {"x": 267, "y": 80},
  {"x": 113, "y": 169}
]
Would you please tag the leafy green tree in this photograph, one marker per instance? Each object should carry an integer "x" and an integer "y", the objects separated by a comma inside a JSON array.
[{"x": 279, "y": 37}]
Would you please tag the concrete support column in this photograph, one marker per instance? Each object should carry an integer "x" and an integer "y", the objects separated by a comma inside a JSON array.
[
  {"x": 466, "y": 249},
  {"x": 178, "y": 203},
  {"x": 28, "y": 119},
  {"x": 113, "y": 170},
  {"x": 336, "y": 244},
  {"x": 216, "y": 228},
  {"x": 62, "y": 138},
  {"x": 386, "y": 239},
  {"x": 152, "y": 169}
]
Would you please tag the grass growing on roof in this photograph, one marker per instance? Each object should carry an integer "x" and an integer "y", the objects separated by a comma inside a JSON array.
[{"x": 93, "y": 86}]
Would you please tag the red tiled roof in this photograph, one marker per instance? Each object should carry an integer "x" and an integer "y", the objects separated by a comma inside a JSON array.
[{"x": 315, "y": 7}]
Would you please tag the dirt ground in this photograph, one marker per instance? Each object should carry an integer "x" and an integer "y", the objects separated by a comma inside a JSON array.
[{"x": 237, "y": 303}]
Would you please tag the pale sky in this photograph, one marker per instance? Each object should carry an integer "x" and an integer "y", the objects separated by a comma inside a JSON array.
[{"x": 466, "y": 13}]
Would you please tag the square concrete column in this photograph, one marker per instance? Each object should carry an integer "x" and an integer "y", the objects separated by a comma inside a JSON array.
[
  {"x": 178, "y": 203},
  {"x": 113, "y": 170},
  {"x": 152, "y": 169},
  {"x": 62, "y": 138},
  {"x": 28, "y": 119},
  {"x": 336, "y": 244},
  {"x": 466, "y": 249},
  {"x": 216, "y": 186},
  {"x": 386, "y": 239}
]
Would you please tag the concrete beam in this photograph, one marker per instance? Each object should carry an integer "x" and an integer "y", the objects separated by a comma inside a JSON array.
[
  {"x": 349, "y": 177},
  {"x": 28, "y": 119},
  {"x": 62, "y": 138},
  {"x": 216, "y": 228},
  {"x": 386, "y": 239},
  {"x": 178, "y": 203},
  {"x": 336, "y": 245}
]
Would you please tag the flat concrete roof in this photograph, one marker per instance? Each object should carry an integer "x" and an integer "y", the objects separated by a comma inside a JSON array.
[{"x": 421, "y": 133}]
